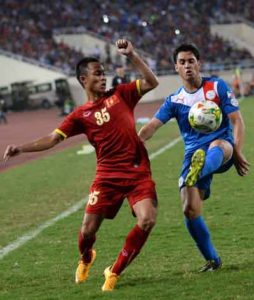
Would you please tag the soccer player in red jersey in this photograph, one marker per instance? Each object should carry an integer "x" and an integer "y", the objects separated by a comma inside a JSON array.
[{"x": 123, "y": 167}]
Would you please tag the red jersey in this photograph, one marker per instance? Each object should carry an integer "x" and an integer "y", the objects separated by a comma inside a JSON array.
[{"x": 110, "y": 128}]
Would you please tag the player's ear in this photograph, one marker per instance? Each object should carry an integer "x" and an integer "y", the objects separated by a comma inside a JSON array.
[
  {"x": 82, "y": 79},
  {"x": 176, "y": 68}
]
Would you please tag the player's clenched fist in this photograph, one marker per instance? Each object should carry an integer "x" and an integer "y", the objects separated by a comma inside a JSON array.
[
  {"x": 122, "y": 43},
  {"x": 124, "y": 47},
  {"x": 10, "y": 151}
]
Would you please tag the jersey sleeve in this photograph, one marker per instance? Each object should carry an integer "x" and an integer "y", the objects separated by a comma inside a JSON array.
[
  {"x": 166, "y": 111},
  {"x": 130, "y": 92},
  {"x": 70, "y": 126},
  {"x": 228, "y": 100}
]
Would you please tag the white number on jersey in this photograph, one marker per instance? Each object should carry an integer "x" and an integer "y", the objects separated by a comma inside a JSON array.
[
  {"x": 102, "y": 116},
  {"x": 93, "y": 198}
]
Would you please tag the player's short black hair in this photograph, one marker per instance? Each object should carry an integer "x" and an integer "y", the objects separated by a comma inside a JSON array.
[
  {"x": 186, "y": 48},
  {"x": 81, "y": 67}
]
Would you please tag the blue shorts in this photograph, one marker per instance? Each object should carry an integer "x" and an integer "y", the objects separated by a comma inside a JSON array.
[{"x": 204, "y": 183}]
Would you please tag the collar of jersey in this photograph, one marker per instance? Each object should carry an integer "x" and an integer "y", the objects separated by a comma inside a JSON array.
[{"x": 196, "y": 89}]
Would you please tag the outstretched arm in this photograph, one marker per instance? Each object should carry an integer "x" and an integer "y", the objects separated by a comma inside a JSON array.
[
  {"x": 149, "y": 80},
  {"x": 241, "y": 163},
  {"x": 147, "y": 131},
  {"x": 40, "y": 144}
]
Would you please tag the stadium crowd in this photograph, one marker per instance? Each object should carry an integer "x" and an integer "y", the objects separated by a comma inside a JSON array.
[
  {"x": 239, "y": 9},
  {"x": 153, "y": 26}
]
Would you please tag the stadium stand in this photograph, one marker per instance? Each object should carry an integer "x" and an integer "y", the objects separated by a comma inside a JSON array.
[
  {"x": 27, "y": 28},
  {"x": 233, "y": 10}
]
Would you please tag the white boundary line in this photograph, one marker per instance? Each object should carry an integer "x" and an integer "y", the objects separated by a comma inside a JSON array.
[
  {"x": 166, "y": 147},
  {"x": 33, "y": 233}
]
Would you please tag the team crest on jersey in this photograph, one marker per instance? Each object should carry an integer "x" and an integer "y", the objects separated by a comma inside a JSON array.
[
  {"x": 232, "y": 98},
  {"x": 111, "y": 101},
  {"x": 177, "y": 99},
  {"x": 210, "y": 95},
  {"x": 87, "y": 114}
]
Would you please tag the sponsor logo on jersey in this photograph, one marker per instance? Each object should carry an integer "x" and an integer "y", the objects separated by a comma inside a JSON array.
[
  {"x": 111, "y": 101},
  {"x": 210, "y": 95},
  {"x": 232, "y": 98},
  {"x": 87, "y": 114}
]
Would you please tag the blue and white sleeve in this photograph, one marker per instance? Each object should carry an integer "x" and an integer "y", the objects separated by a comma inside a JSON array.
[
  {"x": 228, "y": 100},
  {"x": 165, "y": 112}
]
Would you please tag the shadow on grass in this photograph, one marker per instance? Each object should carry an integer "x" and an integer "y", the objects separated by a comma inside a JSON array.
[{"x": 142, "y": 281}]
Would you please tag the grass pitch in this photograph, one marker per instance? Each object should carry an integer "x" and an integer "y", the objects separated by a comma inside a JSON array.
[{"x": 167, "y": 267}]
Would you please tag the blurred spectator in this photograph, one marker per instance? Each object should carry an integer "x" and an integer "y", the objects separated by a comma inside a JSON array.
[
  {"x": 236, "y": 85},
  {"x": 108, "y": 58},
  {"x": 241, "y": 88},
  {"x": 252, "y": 84},
  {"x": 120, "y": 76},
  {"x": 3, "y": 111},
  {"x": 249, "y": 87},
  {"x": 68, "y": 106},
  {"x": 96, "y": 52}
]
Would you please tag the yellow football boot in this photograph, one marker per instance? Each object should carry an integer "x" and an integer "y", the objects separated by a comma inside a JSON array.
[
  {"x": 83, "y": 268},
  {"x": 197, "y": 163},
  {"x": 110, "y": 280}
]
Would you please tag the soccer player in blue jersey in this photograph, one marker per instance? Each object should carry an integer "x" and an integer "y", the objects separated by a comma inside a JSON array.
[{"x": 205, "y": 154}]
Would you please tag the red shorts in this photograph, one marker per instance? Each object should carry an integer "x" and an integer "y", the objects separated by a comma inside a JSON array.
[{"x": 107, "y": 195}]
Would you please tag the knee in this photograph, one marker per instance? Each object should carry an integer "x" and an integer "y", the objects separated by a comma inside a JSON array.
[
  {"x": 228, "y": 152},
  {"x": 146, "y": 223},
  {"x": 190, "y": 212},
  {"x": 90, "y": 225},
  {"x": 226, "y": 148},
  {"x": 87, "y": 229}
]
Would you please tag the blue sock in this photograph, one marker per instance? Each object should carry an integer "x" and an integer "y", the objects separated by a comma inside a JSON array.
[
  {"x": 213, "y": 160},
  {"x": 200, "y": 233}
]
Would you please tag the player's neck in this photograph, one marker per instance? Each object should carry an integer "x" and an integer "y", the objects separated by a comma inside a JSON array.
[
  {"x": 92, "y": 97},
  {"x": 193, "y": 84}
]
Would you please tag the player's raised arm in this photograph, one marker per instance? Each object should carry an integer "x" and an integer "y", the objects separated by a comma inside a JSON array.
[
  {"x": 149, "y": 80},
  {"x": 40, "y": 144}
]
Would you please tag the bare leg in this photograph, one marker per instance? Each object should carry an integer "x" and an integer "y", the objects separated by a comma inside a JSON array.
[{"x": 87, "y": 235}]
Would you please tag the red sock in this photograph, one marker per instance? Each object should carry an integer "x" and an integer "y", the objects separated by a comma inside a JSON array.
[
  {"x": 133, "y": 243},
  {"x": 85, "y": 247}
]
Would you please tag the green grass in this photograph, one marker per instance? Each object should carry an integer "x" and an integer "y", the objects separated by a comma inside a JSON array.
[{"x": 44, "y": 267}]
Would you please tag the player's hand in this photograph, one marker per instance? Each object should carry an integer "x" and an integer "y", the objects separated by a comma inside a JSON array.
[
  {"x": 241, "y": 163},
  {"x": 124, "y": 47},
  {"x": 10, "y": 151}
]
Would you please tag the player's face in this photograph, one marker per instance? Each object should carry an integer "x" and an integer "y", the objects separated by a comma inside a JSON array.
[
  {"x": 187, "y": 66},
  {"x": 94, "y": 80}
]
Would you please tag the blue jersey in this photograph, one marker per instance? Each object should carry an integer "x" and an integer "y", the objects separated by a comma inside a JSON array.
[{"x": 178, "y": 105}]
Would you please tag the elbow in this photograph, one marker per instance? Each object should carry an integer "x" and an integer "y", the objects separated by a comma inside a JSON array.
[
  {"x": 152, "y": 84},
  {"x": 145, "y": 134},
  {"x": 141, "y": 135},
  {"x": 155, "y": 82},
  {"x": 53, "y": 140}
]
